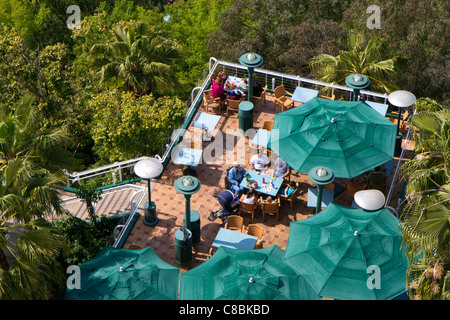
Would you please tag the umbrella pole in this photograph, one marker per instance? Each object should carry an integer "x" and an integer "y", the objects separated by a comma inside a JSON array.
[
  {"x": 319, "y": 199},
  {"x": 398, "y": 121}
]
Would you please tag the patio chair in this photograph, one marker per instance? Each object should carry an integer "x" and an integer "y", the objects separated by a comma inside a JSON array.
[
  {"x": 381, "y": 187},
  {"x": 267, "y": 125},
  {"x": 333, "y": 97},
  {"x": 248, "y": 208},
  {"x": 291, "y": 199},
  {"x": 351, "y": 188},
  {"x": 233, "y": 105},
  {"x": 134, "y": 247},
  {"x": 235, "y": 223},
  {"x": 272, "y": 208},
  {"x": 261, "y": 98},
  {"x": 403, "y": 122},
  {"x": 209, "y": 101},
  {"x": 256, "y": 231},
  {"x": 280, "y": 98}
]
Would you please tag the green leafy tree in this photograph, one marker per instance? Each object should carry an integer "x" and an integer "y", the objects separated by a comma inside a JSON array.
[
  {"x": 90, "y": 195},
  {"x": 360, "y": 57},
  {"x": 22, "y": 135},
  {"x": 32, "y": 271},
  {"x": 27, "y": 196},
  {"x": 425, "y": 220},
  {"x": 136, "y": 60},
  {"x": 125, "y": 127}
]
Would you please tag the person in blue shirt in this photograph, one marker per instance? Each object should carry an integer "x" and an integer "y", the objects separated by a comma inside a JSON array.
[
  {"x": 235, "y": 176},
  {"x": 289, "y": 190}
]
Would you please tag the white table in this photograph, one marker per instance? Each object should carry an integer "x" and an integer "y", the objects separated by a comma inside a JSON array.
[
  {"x": 188, "y": 157},
  {"x": 206, "y": 121},
  {"x": 303, "y": 95},
  {"x": 261, "y": 138},
  {"x": 327, "y": 197},
  {"x": 381, "y": 108},
  {"x": 233, "y": 239}
]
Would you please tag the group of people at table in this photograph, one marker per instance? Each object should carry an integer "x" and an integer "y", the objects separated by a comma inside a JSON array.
[
  {"x": 259, "y": 163},
  {"x": 224, "y": 89}
]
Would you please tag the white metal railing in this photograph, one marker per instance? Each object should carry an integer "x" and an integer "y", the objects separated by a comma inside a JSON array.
[
  {"x": 273, "y": 75},
  {"x": 114, "y": 168}
]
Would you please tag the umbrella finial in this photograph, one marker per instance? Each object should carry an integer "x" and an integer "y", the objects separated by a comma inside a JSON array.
[
  {"x": 251, "y": 280},
  {"x": 121, "y": 269},
  {"x": 356, "y": 233}
]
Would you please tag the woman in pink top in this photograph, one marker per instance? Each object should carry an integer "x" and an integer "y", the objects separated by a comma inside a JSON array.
[{"x": 218, "y": 87}]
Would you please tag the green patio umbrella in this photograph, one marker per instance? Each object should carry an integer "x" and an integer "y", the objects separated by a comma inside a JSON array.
[
  {"x": 349, "y": 254},
  {"x": 349, "y": 137},
  {"x": 232, "y": 274},
  {"x": 121, "y": 274}
]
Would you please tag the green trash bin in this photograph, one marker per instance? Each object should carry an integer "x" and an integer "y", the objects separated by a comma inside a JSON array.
[
  {"x": 183, "y": 246},
  {"x": 245, "y": 115},
  {"x": 194, "y": 226},
  {"x": 150, "y": 217}
]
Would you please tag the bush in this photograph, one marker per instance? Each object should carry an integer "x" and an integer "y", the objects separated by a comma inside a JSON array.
[{"x": 84, "y": 239}]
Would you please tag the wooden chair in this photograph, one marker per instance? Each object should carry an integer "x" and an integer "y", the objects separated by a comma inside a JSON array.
[
  {"x": 261, "y": 98},
  {"x": 233, "y": 105},
  {"x": 249, "y": 208},
  {"x": 209, "y": 101},
  {"x": 291, "y": 199},
  {"x": 381, "y": 187},
  {"x": 267, "y": 125},
  {"x": 256, "y": 231},
  {"x": 394, "y": 118},
  {"x": 270, "y": 208},
  {"x": 333, "y": 97},
  {"x": 280, "y": 98},
  {"x": 351, "y": 188},
  {"x": 235, "y": 223},
  {"x": 134, "y": 247}
]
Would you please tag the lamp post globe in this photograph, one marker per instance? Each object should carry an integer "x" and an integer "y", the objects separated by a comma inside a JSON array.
[{"x": 147, "y": 169}]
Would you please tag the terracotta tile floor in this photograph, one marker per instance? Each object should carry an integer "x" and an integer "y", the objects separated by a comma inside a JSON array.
[{"x": 170, "y": 204}]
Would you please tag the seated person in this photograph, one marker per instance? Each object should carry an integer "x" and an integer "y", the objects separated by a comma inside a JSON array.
[
  {"x": 259, "y": 161},
  {"x": 218, "y": 87},
  {"x": 250, "y": 197},
  {"x": 376, "y": 177},
  {"x": 235, "y": 176},
  {"x": 269, "y": 199},
  {"x": 289, "y": 190},
  {"x": 281, "y": 169}
]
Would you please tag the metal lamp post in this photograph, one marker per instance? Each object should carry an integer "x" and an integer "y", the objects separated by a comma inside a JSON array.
[
  {"x": 251, "y": 61},
  {"x": 148, "y": 169},
  {"x": 190, "y": 234},
  {"x": 357, "y": 82},
  {"x": 321, "y": 176},
  {"x": 187, "y": 186},
  {"x": 400, "y": 99}
]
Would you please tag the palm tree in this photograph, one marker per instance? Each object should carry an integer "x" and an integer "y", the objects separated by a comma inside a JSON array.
[
  {"x": 366, "y": 60},
  {"x": 425, "y": 220},
  {"x": 24, "y": 199},
  {"x": 22, "y": 134},
  {"x": 140, "y": 63}
]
